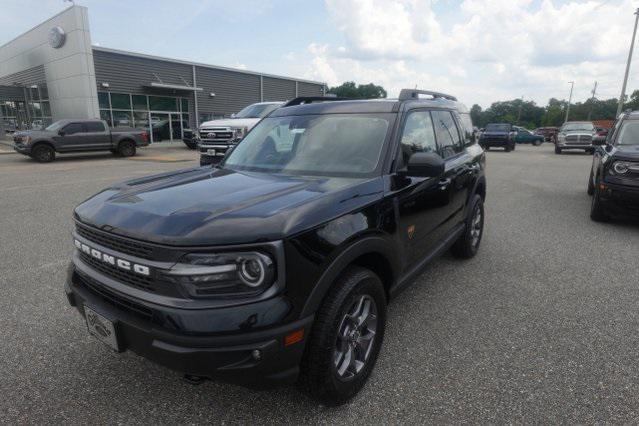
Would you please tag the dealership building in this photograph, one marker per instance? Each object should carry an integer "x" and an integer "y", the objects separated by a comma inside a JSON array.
[{"x": 53, "y": 72}]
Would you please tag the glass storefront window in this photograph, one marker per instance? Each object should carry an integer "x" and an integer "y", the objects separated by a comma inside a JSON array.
[
  {"x": 141, "y": 120},
  {"x": 106, "y": 116},
  {"x": 120, "y": 101},
  {"x": 122, "y": 119},
  {"x": 35, "y": 110},
  {"x": 185, "y": 105},
  {"x": 46, "y": 109},
  {"x": 161, "y": 103},
  {"x": 103, "y": 100},
  {"x": 44, "y": 92},
  {"x": 139, "y": 103}
]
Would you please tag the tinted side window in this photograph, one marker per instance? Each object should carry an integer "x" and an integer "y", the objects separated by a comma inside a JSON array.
[
  {"x": 467, "y": 128},
  {"x": 447, "y": 134},
  {"x": 94, "y": 126},
  {"x": 418, "y": 136},
  {"x": 73, "y": 128}
]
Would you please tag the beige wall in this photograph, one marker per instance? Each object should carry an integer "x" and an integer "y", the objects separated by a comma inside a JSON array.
[{"x": 69, "y": 70}]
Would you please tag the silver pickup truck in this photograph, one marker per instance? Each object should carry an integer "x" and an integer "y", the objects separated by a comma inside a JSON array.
[{"x": 68, "y": 136}]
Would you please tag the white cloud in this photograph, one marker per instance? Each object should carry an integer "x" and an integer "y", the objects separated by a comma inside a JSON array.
[{"x": 489, "y": 50}]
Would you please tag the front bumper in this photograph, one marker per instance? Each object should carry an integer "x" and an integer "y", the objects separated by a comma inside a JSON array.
[
  {"x": 495, "y": 142},
  {"x": 22, "y": 148},
  {"x": 620, "y": 198},
  {"x": 223, "y": 355},
  {"x": 582, "y": 146}
]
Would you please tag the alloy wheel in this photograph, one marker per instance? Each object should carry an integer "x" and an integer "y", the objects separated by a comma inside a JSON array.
[
  {"x": 355, "y": 338},
  {"x": 476, "y": 226}
]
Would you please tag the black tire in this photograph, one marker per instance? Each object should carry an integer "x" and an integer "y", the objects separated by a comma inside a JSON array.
[
  {"x": 319, "y": 375},
  {"x": 508, "y": 148},
  {"x": 591, "y": 185},
  {"x": 597, "y": 210},
  {"x": 514, "y": 146},
  {"x": 537, "y": 143},
  {"x": 126, "y": 149},
  {"x": 43, "y": 153},
  {"x": 190, "y": 145},
  {"x": 468, "y": 243},
  {"x": 557, "y": 150}
]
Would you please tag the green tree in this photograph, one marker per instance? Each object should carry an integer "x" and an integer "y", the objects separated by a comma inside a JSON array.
[{"x": 350, "y": 90}]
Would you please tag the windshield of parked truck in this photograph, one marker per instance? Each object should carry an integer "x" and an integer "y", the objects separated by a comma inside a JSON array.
[
  {"x": 319, "y": 145},
  {"x": 55, "y": 126},
  {"x": 498, "y": 128},
  {"x": 629, "y": 133},
  {"x": 577, "y": 127},
  {"x": 257, "y": 110}
]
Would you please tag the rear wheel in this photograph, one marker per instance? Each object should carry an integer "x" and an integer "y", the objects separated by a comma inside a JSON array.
[
  {"x": 468, "y": 243},
  {"x": 346, "y": 338},
  {"x": 43, "y": 153},
  {"x": 537, "y": 142},
  {"x": 126, "y": 149}
]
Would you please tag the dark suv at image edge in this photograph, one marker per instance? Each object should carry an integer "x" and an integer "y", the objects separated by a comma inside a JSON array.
[
  {"x": 276, "y": 266},
  {"x": 614, "y": 176}
]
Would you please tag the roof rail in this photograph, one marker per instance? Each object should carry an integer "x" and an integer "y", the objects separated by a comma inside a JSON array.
[
  {"x": 310, "y": 99},
  {"x": 407, "y": 94}
]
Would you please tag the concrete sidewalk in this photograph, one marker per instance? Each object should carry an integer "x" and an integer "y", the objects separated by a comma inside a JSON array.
[{"x": 6, "y": 145}]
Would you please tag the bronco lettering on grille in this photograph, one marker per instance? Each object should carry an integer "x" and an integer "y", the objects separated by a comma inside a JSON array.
[{"x": 112, "y": 260}]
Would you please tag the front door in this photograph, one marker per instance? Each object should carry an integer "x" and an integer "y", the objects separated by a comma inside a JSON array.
[
  {"x": 176, "y": 127},
  {"x": 161, "y": 124},
  {"x": 421, "y": 201},
  {"x": 71, "y": 137}
]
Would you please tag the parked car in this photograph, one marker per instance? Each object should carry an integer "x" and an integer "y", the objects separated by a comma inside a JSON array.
[
  {"x": 500, "y": 135},
  {"x": 575, "y": 135},
  {"x": 523, "y": 135},
  {"x": 614, "y": 176},
  {"x": 549, "y": 133},
  {"x": 66, "y": 136},
  {"x": 277, "y": 265},
  {"x": 189, "y": 138},
  {"x": 216, "y": 136}
]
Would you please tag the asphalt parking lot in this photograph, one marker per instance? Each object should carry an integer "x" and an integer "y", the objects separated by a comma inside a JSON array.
[{"x": 541, "y": 326}]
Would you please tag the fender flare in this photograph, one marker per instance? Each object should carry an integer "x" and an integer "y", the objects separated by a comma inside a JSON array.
[
  {"x": 43, "y": 142},
  {"x": 372, "y": 244}
]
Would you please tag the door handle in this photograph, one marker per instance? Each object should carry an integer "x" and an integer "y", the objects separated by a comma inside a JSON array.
[{"x": 444, "y": 183}]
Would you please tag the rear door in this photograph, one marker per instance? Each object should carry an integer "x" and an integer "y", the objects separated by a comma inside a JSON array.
[
  {"x": 455, "y": 181},
  {"x": 97, "y": 135}
]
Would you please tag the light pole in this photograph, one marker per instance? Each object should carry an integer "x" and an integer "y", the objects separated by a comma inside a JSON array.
[
  {"x": 625, "y": 78},
  {"x": 572, "y": 85}
]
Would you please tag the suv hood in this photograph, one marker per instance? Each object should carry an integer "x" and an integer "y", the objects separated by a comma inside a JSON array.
[
  {"x": 235, "y": 123},
  {"x": 626, "y": 152},
  {"x": 204, "y": 206},
  {"x": 35, "y": 134}
]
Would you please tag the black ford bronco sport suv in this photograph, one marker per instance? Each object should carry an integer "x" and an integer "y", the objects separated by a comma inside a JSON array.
[
  {"x": 614, "y": 176},
  {"x": 277, "y": 265}
]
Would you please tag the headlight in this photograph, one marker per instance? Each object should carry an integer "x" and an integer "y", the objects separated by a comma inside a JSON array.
[
  {"x": 622, "y": 167},
  {"x": 561, "y": 136},
  {"x": 240, "y": 132},
  {"x": 240, "y": 274}
]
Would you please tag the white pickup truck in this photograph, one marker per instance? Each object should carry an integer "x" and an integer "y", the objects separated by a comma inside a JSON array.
[{"x": 216, "y": 136}]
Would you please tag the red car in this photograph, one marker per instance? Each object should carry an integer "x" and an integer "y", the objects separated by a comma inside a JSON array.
[{"x": 549, "y": 133}]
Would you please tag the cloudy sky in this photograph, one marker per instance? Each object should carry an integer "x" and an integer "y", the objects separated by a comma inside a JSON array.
[{"x": 480, "y": 50}]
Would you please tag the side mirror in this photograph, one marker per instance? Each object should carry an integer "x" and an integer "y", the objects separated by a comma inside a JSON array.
[
  {"x": 62, "y": 133},
  {"x": 422, "y": 164},
  {"x": 599, "y": 140},
  {"x": 233, "y": 115}
]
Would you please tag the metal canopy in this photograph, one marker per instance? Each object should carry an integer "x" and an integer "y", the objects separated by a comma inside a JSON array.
[{"x": 157, "y": 85}]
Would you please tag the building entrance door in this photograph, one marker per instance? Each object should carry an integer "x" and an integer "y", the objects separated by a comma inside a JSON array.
[{"x": 166, "y": 126}]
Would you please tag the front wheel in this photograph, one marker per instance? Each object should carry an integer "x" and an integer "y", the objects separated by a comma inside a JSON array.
[
  {"x": 468, "y": 243},
  {"x": 43, "y": 154},
  {"x": 345, "y": 339},
  {"x": 597, "y": 210},
  {"x": 557, "y": 150}
]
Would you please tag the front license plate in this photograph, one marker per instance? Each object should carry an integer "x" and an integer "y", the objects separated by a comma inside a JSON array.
[
  {"x": 102, "y": 328},
  {"x": 210, "y": 152}
]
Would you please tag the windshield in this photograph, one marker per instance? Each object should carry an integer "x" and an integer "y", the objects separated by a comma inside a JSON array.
[
  {"x": 498, "y": 128},
  {"x": 629, "y": 133},
  {"x": 576, "y": 127},
  {"x": 55, "y": 126},
  {"x": 323, "y": 145},
  {"x": 257, "y": 110}
]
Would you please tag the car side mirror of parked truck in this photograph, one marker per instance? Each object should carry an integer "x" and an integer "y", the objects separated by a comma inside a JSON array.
[
  {"x": 599, "y": 140},
  {"x": 423, "y": 164}
]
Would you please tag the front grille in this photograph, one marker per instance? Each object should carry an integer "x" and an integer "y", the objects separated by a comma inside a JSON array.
[
  {"x": 572, "y": 138},
  {"x": 116, "y": 243},
  {"x": 113, "y": 298},
  {"x": 585, "y": 138},
  {"x": 216, "y": 134},
  {"x": 125, "y": 277}
]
